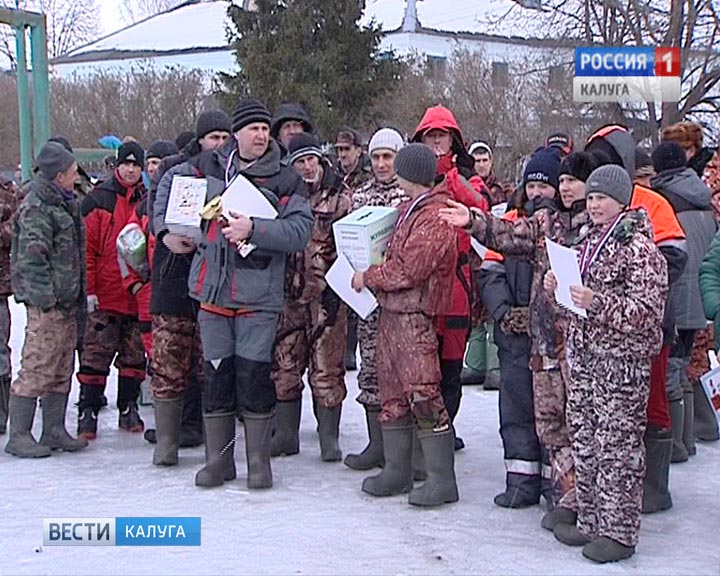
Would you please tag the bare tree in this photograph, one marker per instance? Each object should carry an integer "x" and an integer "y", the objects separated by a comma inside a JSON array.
[{"x": 135, "y": 10}]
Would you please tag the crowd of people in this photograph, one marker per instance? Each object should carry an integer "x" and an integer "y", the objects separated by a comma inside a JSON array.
[{"x": 595, "y": 402}]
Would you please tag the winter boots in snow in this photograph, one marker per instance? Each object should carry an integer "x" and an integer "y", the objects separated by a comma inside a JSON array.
[
  {"x": 329, "y": 433},
  {"x": 569, "y": 535},
  {"x": 4, "y": 402},
  {"x": 128, "y": 393},
  {"x": 372, "y": 455},
  {"x": 604, "y": 549},
  {"x": 21, "y": 442},
  {"x": 54, "y": 435},
  {"x": 397, "y": 474},
  {"x": 658, "y": 452},
  {"x": 418, "y": 460},
  {"x": 168, "y": 419},
  {"x": 558, "y": 516},
  {"x": 89, "y": 405},
  {"x": 705, "y": 426},
  {"x": 286, "y": 438},
  {"x": 219, "y": 450},
  {"x": 688, "y": 420},
  {"x": 522, "y": 494},
  {"x": 258, "y": 434},
  {"x": 439, "y": 452},
  {"x": 677, "y": 418}
]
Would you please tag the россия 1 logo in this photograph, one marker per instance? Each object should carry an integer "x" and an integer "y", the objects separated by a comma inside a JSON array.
[{"x": 633, "y": 74}]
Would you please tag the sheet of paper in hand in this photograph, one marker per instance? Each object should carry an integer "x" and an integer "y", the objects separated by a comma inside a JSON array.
[
  {"x": 242, "y": 197},
  {"x": 187, "y": 198},
  {"x": 564, "y": 264},
  {"x": 339, "y": 278}
]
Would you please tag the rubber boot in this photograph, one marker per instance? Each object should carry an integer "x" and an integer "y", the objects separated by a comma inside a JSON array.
[
  {"x": 372, "y": 456},
  {"x": 258, "y": 434},
  {"x": 475, "y": 358},
  {"x": 219, "y": 450},
  {"x": 168, "y": 419},
  {"x": 440, "y": 487},
  {"x": 688, "y": 419},
  {"x": 396, "y": 476},
  {"x": 705, "y": 426},
  {"x": 89, "y": 405},
  {"x": 4, "y": 402},
  {"x": 658, "y": 452},
  {"x": 418, "y": 461},
  {"x": 127, "y": 402},
  {"x": 286, "y": 437},
  {"x": 54, "y": 435},
  {"x": 603, "y": 550},
  {"x": 677, "y": 416},
  {"x": 21, "y": 442},
  {"x": 329, "y": 433}
]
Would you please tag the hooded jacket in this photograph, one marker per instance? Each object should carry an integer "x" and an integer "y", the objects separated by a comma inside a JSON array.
[
  {"x": 690, "y": 198},
  {"x": 289, "y": 111}
]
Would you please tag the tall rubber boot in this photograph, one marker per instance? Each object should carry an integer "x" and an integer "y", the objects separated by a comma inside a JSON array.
[
  {"x": 372, "y": 456},
  {"x": 705, "y": 426},
  {"x": 168, "y": 419},
  {"x": 219, "y": 450},
  {"x": 286, "y": 437},
  {"x": 677, "y": 416},
  {"x": 4, "y": 402},
  {"x": 396, "y": 476},
  {"x": 329, "y": 433},
  {"x": 258, "y": 434},
  {"x": 658, "y": 452},
  {"x": 688, "y": 419},
  {"x": 440, "y": 487},
  {"x": 21, "y": 442},
  {"x": 54, "y": 434},
  {"x": 418, "y": 461}
]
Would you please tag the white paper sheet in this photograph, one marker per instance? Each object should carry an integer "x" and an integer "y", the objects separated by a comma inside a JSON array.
[
  {"x": 242, "y": 197},
  {"x": 187, "y": 198},
  {"x": 480, "y": 249},
  {"x": 339, "y": 278},
  {"x": 564, "y": 264}
]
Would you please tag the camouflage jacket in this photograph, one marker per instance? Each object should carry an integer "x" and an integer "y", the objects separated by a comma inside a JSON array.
[
  {"x": 8, "y": 204},
  {"x": 361, "y": 174},
  {"x": 525, "y": 237},
  {"x": 48, "y": 248},
  {"x": 305, "y": 271},
  {"x": 374, "y": 193},
  {"x": 630, "y": 282}
]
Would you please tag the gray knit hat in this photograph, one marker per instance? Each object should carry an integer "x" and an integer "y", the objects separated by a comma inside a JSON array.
[
  {"x": 385, "y": 139},
  {"x": 611, "y": 180},
  {"x": 416, "y": 163},
  {"x": 53, "y": 159}
]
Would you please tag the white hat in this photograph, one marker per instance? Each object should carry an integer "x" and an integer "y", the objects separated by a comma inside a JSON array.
[
  {"x": 385, "y": 139},
  {"x": 480, "y": 147}
]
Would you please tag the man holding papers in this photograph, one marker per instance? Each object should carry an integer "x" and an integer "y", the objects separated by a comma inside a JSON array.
[
  {"x": 313, "y": 323},
  {"x": 241, "y": 292}
]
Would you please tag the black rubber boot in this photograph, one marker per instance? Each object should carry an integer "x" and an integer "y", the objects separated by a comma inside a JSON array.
[
  {"x": 89, "y": 405},
  {"x": 677, "y": 417},
  {"x": 21, "y": 442},
  {"x": 4, "y": 402},
  {"x": 168, "y": 419},
  {"x": 372, "y": 456},
  {"x": 128, "y": 414},
  {"x": 603, "y": 550},
  {"x": 440, "y": 487},
  {"x": 688, "y": 420},
  {"x": 219, "y": 450},
  {"x": 658, "y": 452},
  {"x": 558, "y": 516},
  {"x": 329, "y": 433},
  {"x": 286, "y": 437},
  {"x": 418, "y": 461},
  {"x": 570, "y": 535},
  {"x": 705, "y": 426},
  {"x": 54, "y": 435},
  {"x": 258, "y": 434},
  {"x": 396, "y": 476}
]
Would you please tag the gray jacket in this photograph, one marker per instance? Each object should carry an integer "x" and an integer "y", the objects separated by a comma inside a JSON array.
[
  {"x": 218, "y": 274},
  {"x": 690, "y": 198}
]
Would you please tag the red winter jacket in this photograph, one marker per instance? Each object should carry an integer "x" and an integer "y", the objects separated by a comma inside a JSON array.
[
  {"x": 468, "y": 189},
  {"x": 106, "y": 211}
]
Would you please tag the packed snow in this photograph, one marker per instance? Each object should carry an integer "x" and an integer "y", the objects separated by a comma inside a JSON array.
[{"x": 316, "y": 520}]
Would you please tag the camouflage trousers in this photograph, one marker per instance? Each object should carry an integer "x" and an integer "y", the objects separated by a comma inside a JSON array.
[
  {"x": 48, "y": 354},
  {"x": 607, "y": 417},
  {"x": 408, "y": 369},
  {"x": 311, "y": 337},
  {"x": 367, "y": 377},
  {"x": 109, "y": 336},
  {"x": 176, "y": 357},
  {"x": 549, "y": 391}
]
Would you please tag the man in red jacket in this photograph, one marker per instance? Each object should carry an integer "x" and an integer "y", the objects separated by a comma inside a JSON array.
[{"x": 112, "y": 330}]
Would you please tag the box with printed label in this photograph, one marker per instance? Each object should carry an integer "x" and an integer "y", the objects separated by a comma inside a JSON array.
[{"x": 363, "y": 236}]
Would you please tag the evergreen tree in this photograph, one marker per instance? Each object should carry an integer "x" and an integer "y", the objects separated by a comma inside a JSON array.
[{"x": 314, "y": 52}]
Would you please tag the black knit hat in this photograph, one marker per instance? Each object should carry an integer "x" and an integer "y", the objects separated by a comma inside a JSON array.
[
  {"x": 544, "y": 166},
  {"x": 416, "y": 163},
  {"x": 303, "y": 144},
  {"x": 131, "y": 152},
  {"x": 161, "y": 149},
  {"x": 578, "y": 165},
  {"x": 183, "y": 139},
  {"x": 289, "y": 111},
  {"x": 212, "y": 121},
  {"x": 642, "y": 158},
  {"x": 668, "y": 156},
  {"x": 53, "y": 159},
  {"x": 249, "y": 110}
]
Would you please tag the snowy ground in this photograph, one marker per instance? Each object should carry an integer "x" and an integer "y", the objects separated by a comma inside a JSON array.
[{"x": 316, "y": 520}]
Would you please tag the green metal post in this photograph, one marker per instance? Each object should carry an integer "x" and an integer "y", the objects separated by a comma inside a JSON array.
[
  {"x": 23, "y": 105},
  {"x": 40, "y": 88}
]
